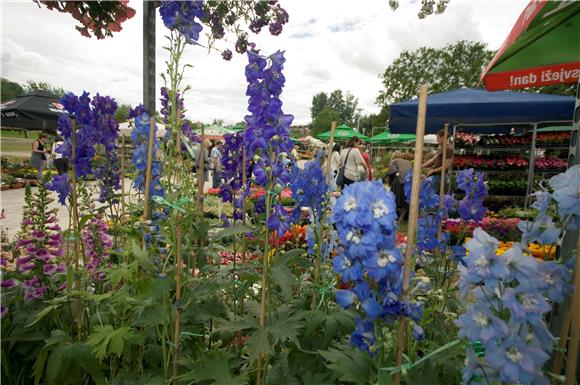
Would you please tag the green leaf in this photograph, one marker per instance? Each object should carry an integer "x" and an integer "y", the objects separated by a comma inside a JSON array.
[
  {"x": 284, "y": 278},
  {"x": 289, "y": 256},
  {"x": 215, "y": 367},
  {"x": 230, "y": 231},
  {"x": 41, "y": 314},
  {"x": 348, "y": 365},
  {"x": 105, "y": 340},
  {"x": 258, "y": 343},
  {"x": 39, "y": 365},
  {"x": 330, "y": 330},
  {"x": 84, "y": 220}
]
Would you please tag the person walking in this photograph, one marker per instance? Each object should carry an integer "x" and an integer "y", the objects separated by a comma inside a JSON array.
[
  {"x": 216, "y": 162},
  {"x": 399, "y": 167},
  {"x": 38, "y": 156},
  {"x": 367, "y": 160},
  {"x": 436, "y": 163},
  {"x": 354, "y": 165},
  {"x": 60, "y": 163}
]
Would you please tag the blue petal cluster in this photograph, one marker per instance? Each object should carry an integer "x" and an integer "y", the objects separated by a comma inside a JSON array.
[
  {"x": 140, "y": 139},
  {"x": 365, "y": 218},
  {"x": 96, "y": 132},
  {"x": 309, "y": 189},
  {"x": 507, "y": 316},
  {"x": 266, "y": 139},
  {"x": 473, "y": 185},
  {"x": 181, "y": 16},
  {"x": 232, "y": 174}
]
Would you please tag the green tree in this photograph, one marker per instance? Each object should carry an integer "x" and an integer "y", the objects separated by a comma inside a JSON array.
[
  {"x": 324, "y": 121},
  {"x": 32, "y": 86},
  {"x": 319, "y": 102},
  {"x": 454, "y": 66},
  {"x": 369, "y": 123},
  {"x": 10, "y": 90},
  {"x": 122, "y": 114}
]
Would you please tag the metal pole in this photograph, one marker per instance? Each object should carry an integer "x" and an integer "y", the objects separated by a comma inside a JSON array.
[
  {"x": 531, "y": 167},
  {"x": 149, "y": 56}
]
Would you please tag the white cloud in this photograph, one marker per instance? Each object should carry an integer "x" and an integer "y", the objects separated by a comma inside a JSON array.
[{"x": 329, "y": 44}]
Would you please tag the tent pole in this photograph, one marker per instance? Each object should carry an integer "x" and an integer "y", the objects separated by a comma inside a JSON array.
[
  {"x": 443, "y": 169},
  {"x": 531, "y": 167}
]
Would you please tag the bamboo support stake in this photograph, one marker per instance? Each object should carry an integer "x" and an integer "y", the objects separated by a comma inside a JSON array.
[
  {"x": 200, "y": 171},
  {"x": 572, "y": 357},
  {"x": 329, "y": 151},
  {"x": 178, "y": 241},
  {"x": 413, "y": 217},
  {"x": 122, "y": 177},
  {"x": 148, "y": 169},
  {"x": 75, "y": 215},
  {"x": 443, "y": 169}
]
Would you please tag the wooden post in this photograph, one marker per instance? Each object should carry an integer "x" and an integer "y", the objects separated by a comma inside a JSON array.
[
  {"x": 177, "y": 301},
  {"x": 75, "y": 215},
  {"x": 443, "y": 169},
  {"x": 148, "y": 169},
  {"x": 572, "y": 356},
  {"x": 329, "y": 151},
  {"x": 200, "y": 171},
  {"x": 122, "y": 177},
  {"x": 413, "y": 217},
  {"x": 564, "y": 333}
]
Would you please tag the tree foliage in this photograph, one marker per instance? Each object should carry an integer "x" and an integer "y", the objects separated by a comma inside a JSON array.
[
  {"x": 368, "y": 122},
  {"x": 338, "y": 106},
  {"x": 10, "y": 90},
  {"x": 454, "y": 66},
  {"x": 55, "y": 91},
  {"x": 122, "y": 114},
  {"x": 428, "y": 7}
]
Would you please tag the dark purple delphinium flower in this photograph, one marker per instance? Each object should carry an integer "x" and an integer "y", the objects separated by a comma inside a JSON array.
[
  {"x": 266, "y": 139},
  {"x": 309, "y": 189},
  {"x": 62, "y": 185},
  {"x": 96, "y": 127},
  {"x": 181, "y": 16},
  {"x": 227, "y": 55}
]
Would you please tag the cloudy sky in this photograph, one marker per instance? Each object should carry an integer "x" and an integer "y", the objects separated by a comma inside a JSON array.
[{"x": 329, "y": 44}]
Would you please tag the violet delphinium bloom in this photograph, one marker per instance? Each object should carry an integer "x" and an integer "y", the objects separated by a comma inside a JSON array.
[{"x": 181, "y": 16}]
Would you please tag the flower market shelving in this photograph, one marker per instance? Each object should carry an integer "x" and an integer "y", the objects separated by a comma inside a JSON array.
[{"x": 507, "y": 158}]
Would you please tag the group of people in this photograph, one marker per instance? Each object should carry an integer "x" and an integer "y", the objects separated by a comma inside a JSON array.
[
  {"x": 43, "y": 155},
  {"x": 352, "y": 164}
]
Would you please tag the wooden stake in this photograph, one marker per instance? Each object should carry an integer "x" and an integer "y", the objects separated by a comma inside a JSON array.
[
  {"x": 122, "y": 177},
  {"x": 413, "y": 217},
  {"x": 75, "y": 215},
  {"x": 443, "y": 169},
  {"x": 564, "y": 333},
  {"x": 148, "y": 169},
  {"x": 572, "y": 357},
  {"x": 329, "y": 151},
  {"x": 200, "y": 171},
  {"x": 177, "y": 301}
]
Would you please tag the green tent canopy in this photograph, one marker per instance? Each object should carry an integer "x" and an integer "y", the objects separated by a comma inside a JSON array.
[
  {"x": 237, "y": 128},
  {"x": 386, "y": 137},
  {"x": 342, "y": 132},
  {"x": 555, "y": 129},
  {"x": 214, "y": 131}
]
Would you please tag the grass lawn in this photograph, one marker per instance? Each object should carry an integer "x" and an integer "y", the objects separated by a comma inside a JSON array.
[{"x": 18, "y": 134}]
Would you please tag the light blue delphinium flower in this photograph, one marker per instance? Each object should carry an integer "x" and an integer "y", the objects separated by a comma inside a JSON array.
[
  {"x": 522, "y": 268},
  {"x": 567, "y": 191},
  {"x": 551, "y": 278},
  {"x": 516, "y": 362},
  {"x": 542, "y": 230},
  {"x": 479, "y": 323},
  {"x": 525, "y": 305}
]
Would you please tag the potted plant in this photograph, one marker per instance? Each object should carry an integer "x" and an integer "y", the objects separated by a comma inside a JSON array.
[{"x": 18, "y": 183}]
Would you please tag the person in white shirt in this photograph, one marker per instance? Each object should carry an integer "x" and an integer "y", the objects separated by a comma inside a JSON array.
[
  {"x": 354, "y": 165},
  {"x": 60, "y": 163},
  {"x": 216, "y": 164}
]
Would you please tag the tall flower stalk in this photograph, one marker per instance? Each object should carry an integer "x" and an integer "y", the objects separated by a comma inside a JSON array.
[{"x": 267, "y": 143}]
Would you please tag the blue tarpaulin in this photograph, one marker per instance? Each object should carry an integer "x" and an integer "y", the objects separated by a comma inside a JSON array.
[{"x": 478, "y": 106}]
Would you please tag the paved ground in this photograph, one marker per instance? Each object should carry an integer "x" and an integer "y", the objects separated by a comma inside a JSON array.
[{"x": 12, "y": 201}]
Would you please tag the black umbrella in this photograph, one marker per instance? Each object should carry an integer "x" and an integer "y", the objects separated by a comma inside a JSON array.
[{"x": 35, "y": 111}]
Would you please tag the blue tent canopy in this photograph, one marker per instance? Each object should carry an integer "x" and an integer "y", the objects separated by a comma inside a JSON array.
[{"x": 478, "y": 106}]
